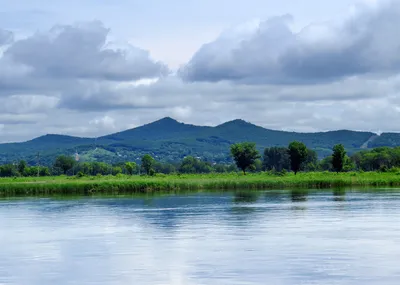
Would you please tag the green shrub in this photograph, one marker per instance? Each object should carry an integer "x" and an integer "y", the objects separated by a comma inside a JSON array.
[{"x": 80, "y": 174}]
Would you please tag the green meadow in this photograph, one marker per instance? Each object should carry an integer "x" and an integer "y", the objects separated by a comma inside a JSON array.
[{"x": 125, "y": 184}]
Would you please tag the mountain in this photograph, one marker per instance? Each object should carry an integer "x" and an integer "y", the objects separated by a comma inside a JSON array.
[
  {"x": 170, "y": 140},
  {"x": 166, "y": 128}
]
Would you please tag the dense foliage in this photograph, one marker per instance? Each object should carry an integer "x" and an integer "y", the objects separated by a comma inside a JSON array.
[
  {"x": 338, "y": 157},
  {"x": 298, "y": 155},
  {"x": 148, "y": 163},
  {"x": 245, "y": 155},
  {"x": 64, "y": 163},
  {"x": 278, "y": 160},
  {"x": 63, "y": 166},
  {"x": 191, "y": 164}
]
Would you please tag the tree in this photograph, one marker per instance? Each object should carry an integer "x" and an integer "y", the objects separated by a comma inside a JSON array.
[
  {"x": 348, "y": 165},
  {"x": 191, "y": 164},
  {"x": 86, "y": 168},
  {"x": 257, "y": 166},
  {"x": 298, "y": 155},
  {"x": 130, "y": 167},
  {"x": 188, "y": 165},
  {"x": 101, "y": 168},
  {"x": 338, "y": 157},
  {"x": 147, "y": 163},
  {"x": 245, "y": 155},
  {"x": 325, "y": 164},
  {"x": 8, "y": 170},
  {"x": 64, "y": 162},
  {"x": 21, "y": 166},
  {"x": 116, "y": 170},
  {"x": 311, "y": 162},
  {"x": 44, "y": 171},
  {"x": 276, "y": 158},
  {"x": 166, "y": 168}
]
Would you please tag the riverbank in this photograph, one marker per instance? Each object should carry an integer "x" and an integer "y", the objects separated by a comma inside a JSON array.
[{"x": 62, "y": 185}]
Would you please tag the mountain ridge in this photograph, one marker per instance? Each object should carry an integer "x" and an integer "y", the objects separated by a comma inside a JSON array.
[
  {"x": 235, "y": 121},
  {"x": 170, "y": 140}
]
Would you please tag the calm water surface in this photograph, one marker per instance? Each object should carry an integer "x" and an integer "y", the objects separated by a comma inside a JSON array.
[{"x": 274, "y": 237}]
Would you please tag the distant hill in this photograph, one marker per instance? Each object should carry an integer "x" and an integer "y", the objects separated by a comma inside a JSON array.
[{"x": 170, "y": 140}]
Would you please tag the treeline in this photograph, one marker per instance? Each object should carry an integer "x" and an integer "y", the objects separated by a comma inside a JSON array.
[
  {"x": 297, "y": 157},
  {"x": 66, "y": 165},
  {"x": 278, "y": 160},
  {"x": 22, "y": 169}
]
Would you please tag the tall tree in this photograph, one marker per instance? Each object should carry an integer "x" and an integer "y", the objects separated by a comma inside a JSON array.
[
  {"x": 130, "y": 167},
  {"x": 257, "y": 166},
  {"x": 21, "y": 166},
  {"x": 116, "y": 170},
  {"x": 8, "y": 170},
  {"x": 245, "y": 155},
  {"x": 311, "y": 162},
  {"x": 166, "y": 168},
  {"x": 147, "y": 163},
  {"x": 325, "y": 164},
  {"x": 277, "y": 158},
  {"x": 298, "y": 155},
  {"x": 338, "y": 157},
  {"x": 64, "y": 162},
  {"x": 191, "y": 164}
]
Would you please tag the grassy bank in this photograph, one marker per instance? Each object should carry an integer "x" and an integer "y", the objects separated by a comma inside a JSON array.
[{"x": 169, "y": 183}]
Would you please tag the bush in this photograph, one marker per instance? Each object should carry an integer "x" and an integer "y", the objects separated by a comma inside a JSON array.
[
  {"x": 80, "y": 174},
  {"x": 283, "y": 172},
  {"x": 383, "y": 168},
  {"x": 394, "y": 170},
  {"x": 274, "y": 172}
]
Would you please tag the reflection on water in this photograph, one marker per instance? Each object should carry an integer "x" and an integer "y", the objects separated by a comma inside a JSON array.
[
  {"x": 275, "y": 196},
  {"x": 339, "y": 194},
  {"x": 299, "y": 195},
  {"x": 246, "y": 196},
  {"x": 243, "y": 237}
]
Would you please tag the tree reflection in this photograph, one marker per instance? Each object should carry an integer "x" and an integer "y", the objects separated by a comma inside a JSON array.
[
  {"x": 274, "y": 196},
  {"x": 242, "y": 204},
  {"x": 245, "y": 197},
  {"x": 299, "y": 195},
  {"x": 339, "y": 194}
]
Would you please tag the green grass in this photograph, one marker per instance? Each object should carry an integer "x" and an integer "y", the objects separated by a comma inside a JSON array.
[{"x": 124, "y": 184}]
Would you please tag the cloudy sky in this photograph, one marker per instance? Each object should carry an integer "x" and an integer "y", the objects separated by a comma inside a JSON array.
[{"x": 93, "y": 67}]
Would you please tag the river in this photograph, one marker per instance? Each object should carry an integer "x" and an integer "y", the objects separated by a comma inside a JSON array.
[{"x": 266, "y": 237}]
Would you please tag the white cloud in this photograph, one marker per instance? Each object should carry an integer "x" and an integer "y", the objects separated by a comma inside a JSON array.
[
  {"x": 27, "y": 103},
  {"x": 76, "y": 79},
  {"x": 80, "y": 51},
  {"x": 15, "y": 119},
  {"x": 6, "y": 37},
  {"x": 364, "y": 44},
  {"x": 181, "y": 112},
  {"x": 106, "y": 122}
]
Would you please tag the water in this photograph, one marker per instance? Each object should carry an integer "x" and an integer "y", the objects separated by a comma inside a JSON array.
[{"x": 274, "y": 237}]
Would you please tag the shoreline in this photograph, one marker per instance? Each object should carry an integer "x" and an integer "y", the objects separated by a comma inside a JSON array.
[{"x": 61, "y": 185}]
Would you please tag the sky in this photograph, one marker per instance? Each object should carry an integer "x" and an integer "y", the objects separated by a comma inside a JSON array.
[{"x": 90, "y": 68}]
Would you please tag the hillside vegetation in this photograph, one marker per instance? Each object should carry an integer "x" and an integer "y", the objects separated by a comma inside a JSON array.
[{"x": 169, "y": 140}]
